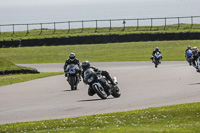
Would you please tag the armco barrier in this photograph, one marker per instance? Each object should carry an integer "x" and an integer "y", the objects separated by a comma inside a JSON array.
[
  {"x": 11, "y": 43},
  {"x": 96, "y": 39},
  {"x": 22, "y": 71}
]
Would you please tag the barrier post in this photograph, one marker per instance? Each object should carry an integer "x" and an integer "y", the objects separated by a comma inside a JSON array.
[
  {"x": 137, "y": 24},
  {"x": 96, "y": 26},
  {"x": 27, "y": 29},
  {"x": 41, "y": 29},
  {"x": 165, "y": 23},
  {"x": 82, "y": 26},
  {"x": 151, "y": 23},
  {"x": 178, "y": 23},
  {"x": 13, "y": 28},
  {"x": 68, "y": 26},
  {"x": 54, "y": 24},
  {"x": 191, "y": 22},
  {"x": 124, "y": 23},
  {"x": 110, "y": 26}
]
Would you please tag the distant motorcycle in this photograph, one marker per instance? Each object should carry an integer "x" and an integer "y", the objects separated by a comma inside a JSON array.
[
  {"x": 72, "y": 74},
  {"x": 100, "y": 84},
  {"x": 157, "y": 59},
  {"x": 189, "y": 57}
]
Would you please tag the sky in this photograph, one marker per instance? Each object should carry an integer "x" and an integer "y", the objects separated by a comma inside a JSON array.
[
  {"x": 35, "y": 11},
  {"x": 9, "y": 3}
]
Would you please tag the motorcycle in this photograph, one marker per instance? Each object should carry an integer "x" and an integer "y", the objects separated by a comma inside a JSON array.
[
  {"x": 72, "y": 74},
  {"x": 189, "y": 57},
  {"x": 198, "y": 64},
  {"x": 100, "y": 85},
  {"x": 157, "y": 59}
]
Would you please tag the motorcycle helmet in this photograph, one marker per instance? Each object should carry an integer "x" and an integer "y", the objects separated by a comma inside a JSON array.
[
  {"x": 189, "y": 47},
  {"x": 157, "y": 49},
  {"x": 72, "y": 56},
  {"x": 85, "y": 65},
  {"x": 196, "y": 49}
]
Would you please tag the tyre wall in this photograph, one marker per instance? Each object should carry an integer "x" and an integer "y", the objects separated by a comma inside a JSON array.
[{"x": 96, "y": 39}]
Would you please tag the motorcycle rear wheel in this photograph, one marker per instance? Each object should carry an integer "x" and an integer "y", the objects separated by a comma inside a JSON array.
[{"x": 116, "y": 92}]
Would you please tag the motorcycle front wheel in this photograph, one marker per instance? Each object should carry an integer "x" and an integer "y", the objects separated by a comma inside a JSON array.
[
  {"x": 156, "y": 63},
  {"x": 72, "y": 82},
  {"x": 100, "y": 91}
]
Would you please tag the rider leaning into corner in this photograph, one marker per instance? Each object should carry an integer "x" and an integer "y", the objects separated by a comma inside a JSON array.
[
  {"x": 155, "y": 51},
  {"x": 86, "y": 65},
  {"x": 72, "y": 60},
  {"x": 195, "y": 52}
]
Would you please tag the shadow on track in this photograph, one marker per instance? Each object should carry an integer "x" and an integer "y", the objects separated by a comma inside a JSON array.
[
  {"x": 195, "y": 84},
  {"x": 69, "y": 90},
  {"x": 90, "y": 100}
]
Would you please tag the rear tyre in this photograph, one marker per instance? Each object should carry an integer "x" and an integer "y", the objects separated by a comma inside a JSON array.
[{"x": 116, "y": 92}]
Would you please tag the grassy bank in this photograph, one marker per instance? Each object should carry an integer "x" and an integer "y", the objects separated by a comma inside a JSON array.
[
  {"x": 7, "y": 65},
  {"x": 16, "y": 78},
  {"x": 11, "y": 79},
  {"x": 176, "y": 118},
  {"x": 112, "y": 52},
  {"x": 48, "y": 33}
]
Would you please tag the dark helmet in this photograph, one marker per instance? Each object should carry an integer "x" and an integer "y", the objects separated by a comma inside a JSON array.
[
  {"x": 71, "y": 56},
  {"x": 157, "y": 49},
  {"x": 85, "y": 65}
]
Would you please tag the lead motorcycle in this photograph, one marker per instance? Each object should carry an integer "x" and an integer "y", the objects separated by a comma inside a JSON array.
[
  {"x": 72, "y": 74},
  {"x": 157, "y": 59},
  {"x": 100, "y": 84}
]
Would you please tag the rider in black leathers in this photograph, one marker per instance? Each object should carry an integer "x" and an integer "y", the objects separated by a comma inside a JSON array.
[
  {"x": 72, "y": 60},
  {"x": 156, "y": 50},
  {"x": 86, "y": 65}
]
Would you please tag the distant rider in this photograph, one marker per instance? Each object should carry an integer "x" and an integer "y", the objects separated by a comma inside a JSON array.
[
  {"x": 86, "y": 65},
  {"x": 73, "y": 60},
  {"x": 188, "y": 48},
  {"x": 155, "y": 51}
]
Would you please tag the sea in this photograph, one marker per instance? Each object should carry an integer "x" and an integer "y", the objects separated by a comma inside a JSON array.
[{"x": 45, "y": 11}]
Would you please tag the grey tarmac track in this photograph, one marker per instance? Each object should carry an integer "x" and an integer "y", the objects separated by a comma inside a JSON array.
[{"x": 142, "y": 86}]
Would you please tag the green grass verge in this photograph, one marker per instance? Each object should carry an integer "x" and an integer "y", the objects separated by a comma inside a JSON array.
[
  {"x": 111, "y": 52},
  {"x": 11, "y": 79},
  {"x": 176, "y": 118},
  {"x": 7, "y": 65},
  {"x": 48, "y": 33}
]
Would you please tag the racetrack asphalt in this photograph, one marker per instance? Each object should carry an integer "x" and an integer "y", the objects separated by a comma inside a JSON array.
[{"x": 142, "y": 86}]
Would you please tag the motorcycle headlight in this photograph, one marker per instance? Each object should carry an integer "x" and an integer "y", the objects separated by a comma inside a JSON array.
[
  {"x": 90, "y": 79},
  {"x": 72, "y": 71}
]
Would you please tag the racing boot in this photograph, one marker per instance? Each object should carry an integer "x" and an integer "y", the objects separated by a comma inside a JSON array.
[
  {"x": 90, "y": 92},
  {"x": 79, "y": 77}
]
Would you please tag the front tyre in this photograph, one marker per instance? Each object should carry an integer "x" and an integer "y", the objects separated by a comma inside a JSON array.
[
  {"x": 100, "y": 91},
  {"x": 72, "y": 81},
  {"x": 156, "y": 63}
]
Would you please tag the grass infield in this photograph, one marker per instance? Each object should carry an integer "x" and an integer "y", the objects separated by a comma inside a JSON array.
[
  {"x": 111, "y": 52},
  {"x": 17, "y": 78},
  {"x": 177, "y": 119}
]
